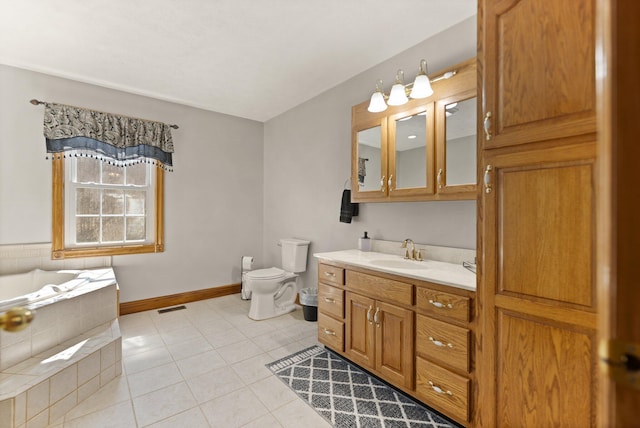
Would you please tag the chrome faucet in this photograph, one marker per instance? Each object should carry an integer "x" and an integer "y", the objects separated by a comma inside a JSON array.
[{"x": 410, "y": 255}]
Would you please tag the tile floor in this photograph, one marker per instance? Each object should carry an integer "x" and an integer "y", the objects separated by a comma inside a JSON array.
[{"x": 202, "y": 367}]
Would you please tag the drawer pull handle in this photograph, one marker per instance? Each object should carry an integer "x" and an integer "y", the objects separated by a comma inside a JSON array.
[
  {"x": 375, "y": 317},
  {"x": 329, "y": 300},
  {"x": 369, "y": 314},
  {"x": 440, "y": 305},
  {"x": 333, "y": 274},
  {"x": 439, "y": 343},
  {"x": 439, "y": 390},
  {"x": 329, "y": 332}
]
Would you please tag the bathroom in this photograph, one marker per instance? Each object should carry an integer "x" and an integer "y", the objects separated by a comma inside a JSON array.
[{"x": 238, "y": 185}]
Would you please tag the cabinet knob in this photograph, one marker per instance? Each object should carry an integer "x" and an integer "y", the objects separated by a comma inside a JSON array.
[
  {"x": 329, "y": 274},
  {"x": 329, "y": 332},
  {"x": 389, "y": 181},
  {"x": 382, "y": 183},
  {"x": 440, "y": 172},
  {"x": 369, "y": 314},
  {"x": 329, "y": 300},
  {"x": 375, "y": 317},
  {"x": 487, "y": 126}
]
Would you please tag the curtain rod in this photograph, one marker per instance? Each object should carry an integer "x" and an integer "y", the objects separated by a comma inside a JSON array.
[{"x": 38, "y": 102}]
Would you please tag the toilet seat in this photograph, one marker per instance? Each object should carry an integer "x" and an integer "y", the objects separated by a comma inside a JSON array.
[{"x": 266, "y": 274}]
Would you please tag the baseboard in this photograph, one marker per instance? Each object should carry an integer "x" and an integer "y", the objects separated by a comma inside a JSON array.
[{"x": 177, "y": 299}]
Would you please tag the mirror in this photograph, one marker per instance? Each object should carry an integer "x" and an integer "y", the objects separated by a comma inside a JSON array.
[
  {"x": 460, "y": 144},
  {"x": 369, "y": 159},
  {"x": 411, "y": 151}
]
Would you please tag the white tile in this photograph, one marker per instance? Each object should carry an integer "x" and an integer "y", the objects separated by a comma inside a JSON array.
[
  {"x": 20, "y": 416},
  {"x": 234, "y": 410},
  {"x": 153, "y": 379},
  {"x": 88, "y": 367},
  {"x": 253, "y": 369},
  {"x": 273, "y": 393},
  {"x": 161, "y": 404},
  {"x": 37, "y": 399},
  {"x": 132, "y": 345},
  {"x": 88, "y": 388},
  {"x": 180, "y": 335},
  {"x": 221, "y": 338},
  {"x": 107, "y": 375},
  {"x": 214, "y": 384},
  {"x": 298, "y": 414},
  {"x": 113, "y": 393},
  {"x": 189, "y": 348},
  {"x": 119, "y": 415},
  {"x": 6, "y": 413},
  {"x": 200, "y": 364},
  {"x": 62, "y": 406},
  {"x": 263, "y": 422},
  {"x": 63, "y": 383},
  {"x": 239, "y": 351},
  {"x": 144, "y": 360},
  {"x": 41, "y": 420},
  {"x": 107, "y": 355},
  {"x": 192, "y": 418},
  {"x": 272, "y": 340}
]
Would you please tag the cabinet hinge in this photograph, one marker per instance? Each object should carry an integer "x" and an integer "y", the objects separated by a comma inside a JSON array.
[{"x": 621, "y": 361}]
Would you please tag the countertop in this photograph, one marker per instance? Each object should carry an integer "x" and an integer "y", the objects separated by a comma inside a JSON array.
[{"x": 450, "y": 274}]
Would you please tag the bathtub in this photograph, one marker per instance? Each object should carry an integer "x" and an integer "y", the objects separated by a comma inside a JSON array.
[
  {"x": 66, "y": 303},
  {"x": 72, "y": 347}
]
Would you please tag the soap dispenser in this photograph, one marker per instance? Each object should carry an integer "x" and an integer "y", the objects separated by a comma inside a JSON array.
[{"x": 364, "y": 243}]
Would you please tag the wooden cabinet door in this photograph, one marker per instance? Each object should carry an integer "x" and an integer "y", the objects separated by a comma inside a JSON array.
[
  {"x": 538, "y": 69},
  {"x": 360, "y": 333},
  {"x": 394, "y": 343},
  {"x": 537, "y": 347}
]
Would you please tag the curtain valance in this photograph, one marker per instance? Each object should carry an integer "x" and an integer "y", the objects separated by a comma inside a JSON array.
[{"x": 120, "y": 140}]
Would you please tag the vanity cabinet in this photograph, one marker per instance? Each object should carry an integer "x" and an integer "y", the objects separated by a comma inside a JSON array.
[
  {"x": 415, "y": 335},
  {"x": 538, "y": 312},
  {"x": 423, "y": 150}
]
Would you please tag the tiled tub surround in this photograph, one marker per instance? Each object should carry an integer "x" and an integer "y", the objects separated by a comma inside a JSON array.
[
  {"x": 18, "y": 258},
  {"x": 450, "y": 272},
  {"x": 72, "y": 348}
]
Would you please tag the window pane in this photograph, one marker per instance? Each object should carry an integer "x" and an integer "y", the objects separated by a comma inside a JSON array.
[
  {"x": 135, "y": 229},
  {"x": 87, "y": 229},
  {"x": 137, "y": 174},
  {"x": 87, "y": 201},
  {"x": 112, "y": 202},
  {"x": 112, "y": 174},
  {"x": 112, "y": 229},
  {"x": 87, "y": 170},
  {"x": 135, "y": 201}
]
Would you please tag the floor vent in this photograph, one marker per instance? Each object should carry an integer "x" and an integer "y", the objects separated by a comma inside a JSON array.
[{"x": 175, "y": 308}]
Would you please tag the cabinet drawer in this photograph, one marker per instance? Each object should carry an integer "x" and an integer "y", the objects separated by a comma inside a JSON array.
[
  {"x": 442, "y": 389},
  {"x": 331, "y": 300},
  {"x": 380, "y": 288},
  {"x": 442, "y": 304},
  {"x": 331, "y": 332},
  {"x": 443, "y": 342},
  {"x": 330, "y": 274}
]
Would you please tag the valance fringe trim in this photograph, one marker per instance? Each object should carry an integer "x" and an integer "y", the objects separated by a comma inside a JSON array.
[{"x": 117, "y": 140}]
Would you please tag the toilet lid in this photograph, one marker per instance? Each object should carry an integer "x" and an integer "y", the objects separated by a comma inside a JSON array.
[{"x": 270, "y": 273}]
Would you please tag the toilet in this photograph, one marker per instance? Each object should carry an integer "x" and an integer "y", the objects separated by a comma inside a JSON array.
[{"x": 273, "y": 291}]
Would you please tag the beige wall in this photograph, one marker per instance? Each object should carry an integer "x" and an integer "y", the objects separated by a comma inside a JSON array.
[
  {"x": 213, "y": 198},
  {"x": 307, "y": 160}
]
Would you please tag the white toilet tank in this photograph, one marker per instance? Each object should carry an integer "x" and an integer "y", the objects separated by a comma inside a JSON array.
[{"x": 294, "y": 254}]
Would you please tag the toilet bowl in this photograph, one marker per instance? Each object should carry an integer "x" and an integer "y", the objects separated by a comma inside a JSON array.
[{"x": 273, "y": 290}]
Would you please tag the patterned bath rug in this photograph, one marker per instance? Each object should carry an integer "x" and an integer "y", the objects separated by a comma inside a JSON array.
[{"x": 348, "y": 397}]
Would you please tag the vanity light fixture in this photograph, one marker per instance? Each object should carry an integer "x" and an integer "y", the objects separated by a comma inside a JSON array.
[{"x": 420, "y": 88}]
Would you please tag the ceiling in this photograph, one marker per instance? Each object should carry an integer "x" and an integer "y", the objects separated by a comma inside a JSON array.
[{"x": 247, "y": 58}]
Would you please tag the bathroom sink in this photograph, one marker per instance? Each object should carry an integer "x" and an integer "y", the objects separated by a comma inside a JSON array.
[{"x": 398, "y": 264}]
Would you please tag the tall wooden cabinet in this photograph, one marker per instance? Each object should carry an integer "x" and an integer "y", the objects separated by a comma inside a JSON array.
[{"x": 536, "y": 348}]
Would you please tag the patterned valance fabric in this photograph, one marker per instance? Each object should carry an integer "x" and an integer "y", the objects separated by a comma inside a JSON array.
[{"x": 119, "y": 140}]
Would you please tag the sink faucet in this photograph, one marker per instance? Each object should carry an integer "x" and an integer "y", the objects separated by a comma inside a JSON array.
[{"x": 410, "y": 255}]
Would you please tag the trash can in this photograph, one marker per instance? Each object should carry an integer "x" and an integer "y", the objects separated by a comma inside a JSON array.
[{"x": 309, "y": 302}]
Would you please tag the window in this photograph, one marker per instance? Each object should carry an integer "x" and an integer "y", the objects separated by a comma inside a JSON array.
[{"x": 102, "y": 209}]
